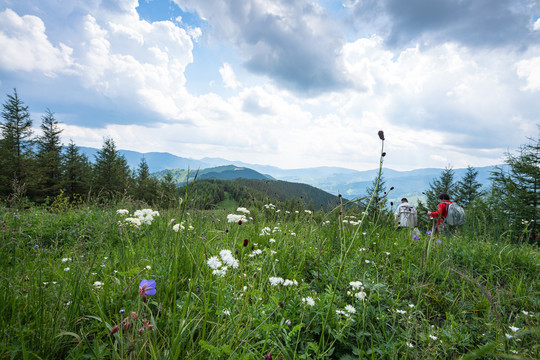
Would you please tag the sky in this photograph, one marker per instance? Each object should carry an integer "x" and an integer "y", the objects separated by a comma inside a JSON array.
[{"x": 293, "y": 84}]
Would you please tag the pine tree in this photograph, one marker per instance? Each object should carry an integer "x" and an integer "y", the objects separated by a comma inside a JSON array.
[
  {"x": 111, "y": 172},
  {"x": 379, "y": 190},
  {"x": 444, "y": 184},
  {"x": 49, "y": 156},
  {"x": 518, "y": 190},
  {"x": 76, "y": 172},
  {"x": 468, "y": 188},
  {"x": 146, "y": 186},
  {"x": 15, "y": 144}
]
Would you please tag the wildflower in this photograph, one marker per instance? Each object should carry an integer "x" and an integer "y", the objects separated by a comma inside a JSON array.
[
  {"x": 513, "y": 328},
  {"x": 411, "y": 305},
  {"x": 226, "y": 312},
  {"x": 438, "y": 241},
  {"x": 66, "y": 259},
  {"x": 114, "y": 329},
  {"x": 246, "y": 242},
  {"x": 526, "y": 313},
  {"x": 508, "y": 336},
  {"x": 268, "y": 356},
  {"x": 309, "y": 300},
  {"x": 26, "y": 278},
  {"x": 274, "y": 281},
  {"x": 236, "y": 218},
  {"x": 36, "y": 246},
  {"x": 255, "y": 253},
  {"x": 220, "y": 272},
  {"x": 214, "y": 262},
  {"x": 45, "y": 282},
  {"x": 272, "y": 240},
  {"x": 290, "y": 282},
  {"x": 98, "y": 284},
  {"x": 410, "y": 345},
  {"x": 228, "y": 258},
  {"x": 401, "y": 311},
  {"x": 66, "y": 269},
  {"x": 355, "y": 284},
  {"x": 308, "y": 212},
  {"x": 514, "y": 351},
  {"x": 429, "y": 233},
  {"x": 433, "y": 337},
  {"x": 122, "y": 311},
  {"x": 350, "y": 309},
  {"x": 265, "y": 231},
  {"x": 122, "y": 212},
  {"x": 177, "y": 227},
  {"x": 415, "y": 237},
  {"x": 243, "y": 210},
  {"x": 147, "y": 287},
  {"x": 360, "y": 295},
  {"x": 367, "y": 261}
]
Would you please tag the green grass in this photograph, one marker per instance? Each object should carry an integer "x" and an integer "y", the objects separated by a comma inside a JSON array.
[{"x": 424, "y": 299}]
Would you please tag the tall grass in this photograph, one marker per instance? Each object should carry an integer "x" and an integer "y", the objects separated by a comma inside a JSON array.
[{"x": 67, "y": 279}]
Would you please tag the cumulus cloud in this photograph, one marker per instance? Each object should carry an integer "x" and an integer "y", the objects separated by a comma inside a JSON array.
[
  {"x": 228, "y": 76},
  {"x": 295, "y": 43},
  {"x": 25, "y": 45},
  {"x": 530, "y": 70},
  {"x": 472, "y": 23}
]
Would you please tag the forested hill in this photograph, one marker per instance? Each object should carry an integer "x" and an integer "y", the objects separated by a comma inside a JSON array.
[
  {"x": 210, "y": 193},
  {"x": 226, "y": 172}
]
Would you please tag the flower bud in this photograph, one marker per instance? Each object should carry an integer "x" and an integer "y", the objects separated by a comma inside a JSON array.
[
  {"x": 381, "y": 134},
  {"x": 246, "y": 242},
  {"x": 114, "y": 329}
]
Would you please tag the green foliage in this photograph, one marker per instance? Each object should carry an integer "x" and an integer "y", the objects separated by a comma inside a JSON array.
[
  {"x": 444, "y": 184},
  {"x": 76, "y": 172},
  {"x": 468, "y": 189},
  {"x": 516, "y": 191},
  {"x": 111, "y": 172},
  {"x": 49, "y": 157}
]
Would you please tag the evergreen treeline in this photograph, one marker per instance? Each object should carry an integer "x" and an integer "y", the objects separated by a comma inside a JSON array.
[{"x": 39, "y": 169}]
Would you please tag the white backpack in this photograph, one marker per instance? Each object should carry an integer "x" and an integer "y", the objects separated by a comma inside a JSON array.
[{"x": 456, "y": 215}]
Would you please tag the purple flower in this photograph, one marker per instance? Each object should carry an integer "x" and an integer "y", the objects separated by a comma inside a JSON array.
[
  {"x": 439, "y": 242},
  {"x": 415, "y": 237},
  {"x": 246, "y": 242},
  {"x": 429, "y": 233},
  {"x": 36, "y": 246},
  {"x": 147, "y": 287}
]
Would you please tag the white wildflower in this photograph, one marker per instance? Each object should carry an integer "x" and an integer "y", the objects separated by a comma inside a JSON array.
[
  {"x": 355, "y": 285},
  {"x": 220, "y": 272},
  {"x": 433, "y": 337},
  {"x": 228, "y": 258},
  {"x": 66, "y": 269},
  {"x": 290, "y": 282},
  {"x": 513, "y": 328},
  {"x": 234, "y": 218},
  {"x": 148, "y": 267},
  {"x": 526, "y": 313},
  {"x": 243, "y": 210},
  {"x": 274, "y": 281},
  {"x": 226, "y": 312},
  {"x": 122, "y": 212},
  {"x": 309, "y": 300},
  {"x": 272, "y": 240},
  {"x": 410, "y": 345},
  {"x": 360, "y": 295},
  {"x": 66, "y": 259},
  {"x": 98, "y": 284},
  {"x": 214, "y": 262},
  {"x": 350, "y": 309},
  {"x": 401, "y": 311},
  {"x": 411, "y": 305},
  {"x": 508, "y": 336},
  {"x": 265, "y": 231}
]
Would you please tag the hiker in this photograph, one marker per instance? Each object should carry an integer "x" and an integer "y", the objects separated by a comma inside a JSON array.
[
  {"x": 442, "y": 212},
  {"x": 406, "y": 216}
]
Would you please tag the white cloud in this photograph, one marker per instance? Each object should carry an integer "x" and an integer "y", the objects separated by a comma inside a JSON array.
[
  {"x": 228, "y": 76},
  {"x": 25, "y": 45},
  {"x": 530, "y": 70},
  {"x": 536, "y": 25}
]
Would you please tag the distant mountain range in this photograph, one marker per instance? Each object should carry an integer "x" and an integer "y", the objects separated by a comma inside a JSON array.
[{"x": 334, "y": 180}]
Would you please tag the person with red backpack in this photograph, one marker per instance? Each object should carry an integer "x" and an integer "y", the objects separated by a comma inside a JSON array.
[{"x": 442, "y": 212}]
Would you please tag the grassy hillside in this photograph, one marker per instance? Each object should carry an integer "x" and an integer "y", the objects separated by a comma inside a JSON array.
[{"x": 226, "y": 172}]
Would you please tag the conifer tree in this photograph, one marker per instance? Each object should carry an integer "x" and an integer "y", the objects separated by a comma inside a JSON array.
[
  {"x": 517, "y": 190},
  {"x": 111, "y": 171},
  {"x": 379, "y": 200},
  {"x": 468, "y": 188},
  {"x": 146, "y": 186},
  {"x": 444, "y": 184},
  {"x": 15, "y": 143},
  {"x": 49, "y": 156},
  {"x": 76, "y": 172}
]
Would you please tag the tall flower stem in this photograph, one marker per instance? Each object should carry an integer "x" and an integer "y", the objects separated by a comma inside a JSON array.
[{"x": 344, "y": 254}]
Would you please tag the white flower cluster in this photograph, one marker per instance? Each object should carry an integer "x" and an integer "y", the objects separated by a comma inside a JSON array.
[
  {"x": 178, "y": 227},
  {"x": 309, "y": 300},
  {"x": 144, "y": 216},
  {"x": 217, "y": 266},
  {"x": 255, "y": 253},
  {"x": 275, "y": 281},
  {"x": 243, "y": 210},
  {"x": 265, "y": 231},
  {"x": 270, "y": 206},
  {"x": 234, "y": 218}
]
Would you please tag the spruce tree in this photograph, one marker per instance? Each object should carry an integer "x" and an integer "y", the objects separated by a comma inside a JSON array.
[
  {"x": 76, "y": 172},
  {"x": 15, "y": 144},
  {"x": 468, "y": 188},
  {"x": 146, "y": 186},
  {"x": 444, "y": 184},
  {"x": 111, "y": 171},
  {"x": 379, "y": 189},
  {"x": 49, "y": 156},
  {"x": 517, "y": 190}
]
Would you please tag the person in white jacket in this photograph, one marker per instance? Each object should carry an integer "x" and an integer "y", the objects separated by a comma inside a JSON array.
[{"x": 406, "y": 216}]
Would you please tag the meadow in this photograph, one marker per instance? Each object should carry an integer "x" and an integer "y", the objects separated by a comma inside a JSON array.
[{"x": 117, "y": 281}]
